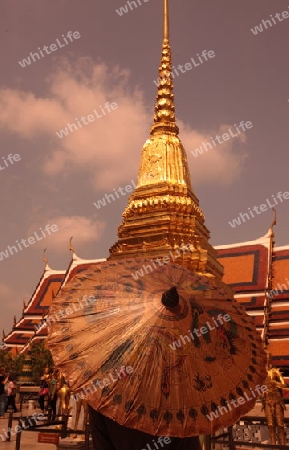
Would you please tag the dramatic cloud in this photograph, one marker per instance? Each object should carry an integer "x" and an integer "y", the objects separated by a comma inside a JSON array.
[
  {"x": 222, "y": 164},
  {"x": 102, "y": 146},
  {"x": 84, "y": 230}
]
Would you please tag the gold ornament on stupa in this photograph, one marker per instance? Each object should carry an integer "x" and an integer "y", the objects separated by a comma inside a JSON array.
[{"x": 163, "y": 213}]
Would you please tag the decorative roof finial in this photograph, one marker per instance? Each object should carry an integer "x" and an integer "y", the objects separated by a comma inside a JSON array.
[
  {"x": 70, "y": 245},
  {"x": 44, "y": 258},
  {"x": 269, "y": 292},
  {"x": 24, "y": 305},
  {"x": 164, "y": 118},
  {"x": 274, "y": 221}
]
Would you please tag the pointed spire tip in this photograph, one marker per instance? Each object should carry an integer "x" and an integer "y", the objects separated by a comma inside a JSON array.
[
  {"x": 166, "y": 19},
  {"x": 164, "y": 117},
  {"x": 71, "y": 249}
]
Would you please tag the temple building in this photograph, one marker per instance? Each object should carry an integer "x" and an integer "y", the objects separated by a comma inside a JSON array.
[
  {"x": 163, "y": 215},
  {"x": 255, "y": 270}
]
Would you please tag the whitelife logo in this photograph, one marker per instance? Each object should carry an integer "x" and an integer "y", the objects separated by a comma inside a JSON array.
[
  {"x": 221, "y": 139},
  {"x": 200, "y": 59},
  {"x": 63, "y": 313},
  {"x": 24, "y": 426},
  {"x": 31, "y": 240},
  {"x": 280, "y": 289},
  {"x": 259, "y": 28},
  {"x": 237, "y": 402},
  {"x": 124, "y": 9},
  {"x": 110, "y": 197},
  {"x": 123, "y": 372},
  {"x": 53, "y": 47},
  {"x": 10, "y": 158},
  {"x": 161, "y": 261},
  {"x": 263, "y": 208},
  {"x": 166, "y": 439},
  {"x": 199, "y": 332},
  {"x": 90, "y": 118}
]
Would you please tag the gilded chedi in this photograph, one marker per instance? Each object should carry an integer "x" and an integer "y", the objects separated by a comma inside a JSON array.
[{"x": 163, "y": 212}]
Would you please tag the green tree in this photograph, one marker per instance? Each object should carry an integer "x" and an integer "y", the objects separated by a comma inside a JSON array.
[
  {"x": 41, "y": 358},
  {"x": 16, "y": 364},
  {"x": 12, "y": 363},
  {"x": 4, "y": 359}
]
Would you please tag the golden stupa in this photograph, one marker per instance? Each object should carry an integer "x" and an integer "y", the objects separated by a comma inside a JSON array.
[{"x": 163, "y": 213}]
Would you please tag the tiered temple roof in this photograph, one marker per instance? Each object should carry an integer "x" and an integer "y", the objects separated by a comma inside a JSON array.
[
  {"x": 32, "y": 313},
  {"x": 257, "y": 272},
  {"x": 31, "y": 326},
  {"x": 246, "y": 271}
]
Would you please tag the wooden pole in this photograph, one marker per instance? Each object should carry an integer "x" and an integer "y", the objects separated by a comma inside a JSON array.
[
  {"x": 8, "y": 438},
  {"x": 18, "y": 436}
]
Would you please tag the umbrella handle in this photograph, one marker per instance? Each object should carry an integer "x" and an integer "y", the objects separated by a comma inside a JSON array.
[{"x": 171, "y": 298}]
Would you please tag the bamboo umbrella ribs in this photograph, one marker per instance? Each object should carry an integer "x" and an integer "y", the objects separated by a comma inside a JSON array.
[{"x": 178, "y": 362}]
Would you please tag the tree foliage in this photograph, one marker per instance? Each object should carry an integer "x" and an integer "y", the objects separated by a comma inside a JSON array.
[
  {"x": 41, "y": 358},
  {"x": 12, "y": 364}
]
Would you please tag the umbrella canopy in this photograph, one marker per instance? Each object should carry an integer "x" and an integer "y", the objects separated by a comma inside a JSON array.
[{"x": 169, "y": 353}]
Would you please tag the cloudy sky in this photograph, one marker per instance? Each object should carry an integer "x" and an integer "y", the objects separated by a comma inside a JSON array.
[{"x": 115, "y": 58}]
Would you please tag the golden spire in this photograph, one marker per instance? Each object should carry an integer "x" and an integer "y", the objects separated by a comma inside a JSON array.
[
  {"x": 166, "y": 20},
  {"x": 163, "y": 157},
  {"x": 163, "y": 213},
  {"x": 164, "y": 117}
]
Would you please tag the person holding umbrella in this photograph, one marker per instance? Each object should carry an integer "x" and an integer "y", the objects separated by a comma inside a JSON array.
[
  {"x": 159, "y": 356},
  {"x": 157, "y": 366},
  {"x": 109, "y": 435}
]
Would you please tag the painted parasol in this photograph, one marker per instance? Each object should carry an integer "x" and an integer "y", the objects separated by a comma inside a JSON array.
[{"x": 169, "y": 353}]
